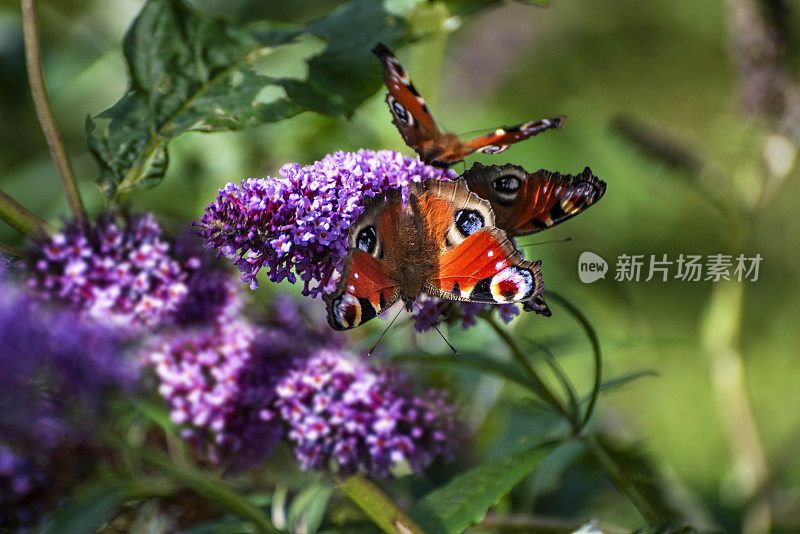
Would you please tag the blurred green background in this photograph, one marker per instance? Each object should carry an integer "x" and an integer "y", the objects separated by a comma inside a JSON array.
[{"x": 637, "y": 80}]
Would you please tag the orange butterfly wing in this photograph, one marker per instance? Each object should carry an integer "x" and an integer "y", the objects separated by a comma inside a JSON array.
[
  {"x": 415, "y": 122},
  {"x": 526, "y": 203}
]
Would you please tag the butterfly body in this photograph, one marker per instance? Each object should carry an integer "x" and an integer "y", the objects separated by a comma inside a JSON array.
[
  {"x": 413, "y": 118},
  {"x": 442, "y": 242}
]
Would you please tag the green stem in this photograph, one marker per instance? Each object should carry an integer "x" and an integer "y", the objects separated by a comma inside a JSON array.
[
  {"x": 8, "y": 250},
  {"x": 626, "y": 485},
  {"x": 543, "y": 389},
  {"x": 22, "y": 219},
  {"x": 383, "y": 511},
  {"x": 33, "y": 61},
  {"x": 598, "y": 359},
  {"x": 209, "y": 487}
]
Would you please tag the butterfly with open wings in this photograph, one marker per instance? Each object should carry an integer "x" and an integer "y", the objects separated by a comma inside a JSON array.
[
  {"x": 452, "y": 243},
  {"x": 413, "y": 119}
]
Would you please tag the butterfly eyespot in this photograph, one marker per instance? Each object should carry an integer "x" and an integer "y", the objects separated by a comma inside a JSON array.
[
  {"x": 468, "y": 222},
  {"x": 506, "y": 184},
  {"x": 512, "y": 284},
  {"x": 492, "y": 149},
  {"x": 400, "y": 112},
  {"x": 367, "y": 240},
  {"x": 346, "y": 311}
]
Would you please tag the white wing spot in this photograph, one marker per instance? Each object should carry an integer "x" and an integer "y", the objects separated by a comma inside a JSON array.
[
  {"x": 490, "y": 253},
  {"x": 500, "y": 265},
  {"x": 355, "y": 275},
  {"x": 351, "y": 288}
]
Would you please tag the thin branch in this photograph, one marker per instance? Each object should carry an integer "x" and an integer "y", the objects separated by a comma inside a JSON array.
[
  {"x": 22, "y": 219},
  {"x": 380, "y": 508},
  {"x": 598, "y": 357},
  {"x": 622, "y": 481},
  {"x": 33, "y": 61},
  {"x": 543, "y": 388},
  {"x": 15, "y": 252}
]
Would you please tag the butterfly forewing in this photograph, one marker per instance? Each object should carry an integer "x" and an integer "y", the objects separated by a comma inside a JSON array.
[
  {"x": 525, "y": 203},
  {"x": 409, "y": 110},
  {"x": 502, "y": 138}
]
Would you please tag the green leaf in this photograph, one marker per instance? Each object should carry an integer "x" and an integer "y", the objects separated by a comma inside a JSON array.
[
  {"x": 464, "y": 501},
  {"x": 308, "y": 508},
  {"x": 88, "y": 511},
  {"x": 464, "y": 8},
  {"x": 190, "y": 72},
  {"x": 225, "y": 526},
  {"x": 624, "y": 379}
]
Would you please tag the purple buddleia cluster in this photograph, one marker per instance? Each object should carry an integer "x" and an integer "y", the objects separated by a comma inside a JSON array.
[
  {"x": 219, "y": 380},
  {"x": 216, "y": 386},
  {"x": 22, "y": 482},
  {"x": 297, "y": 224},
  {"x": 57, "y": 371},
  {"x": 53, "y": 364},
  {"x": 230, "y": 389},
  {"x": 430, "y": 311},
  {"x": 118, "y": 275},
  {"x": 212, "y": 294},
  {"x": 348, "y": 416}
]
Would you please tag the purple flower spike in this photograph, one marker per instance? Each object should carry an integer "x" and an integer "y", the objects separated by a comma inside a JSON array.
[
  {"x": 55, "y": 371},
  {"x": 298, "y": 224},
  {"x": 21, "y": 483},
  {"x": 345, "y": 415},
  {"x": 216, "y": 388},
  {"x": 117, "y": 276}
]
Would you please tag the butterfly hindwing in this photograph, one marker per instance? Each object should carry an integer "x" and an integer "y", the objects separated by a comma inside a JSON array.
[
  {"x": 502, "y": 138},
  {"x": 525, "y": 203},
  {"x": 365, "y": 290},
  {"x": 486, "y": 268},
  {"x": 367, "y": 286}
]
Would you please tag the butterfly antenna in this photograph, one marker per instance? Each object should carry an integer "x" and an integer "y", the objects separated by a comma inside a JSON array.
[
  {"x": 369, "y": 353},
  {"x": 440, "y": 333},
  {"x": 562, "y": 240},
  {"x": 445, "y": 340}
]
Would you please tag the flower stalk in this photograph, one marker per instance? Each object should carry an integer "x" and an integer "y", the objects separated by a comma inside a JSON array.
[
  {"x": 22, "y": 219},
  {"x": 33, "y": 61},
  {"x": 383, "y": 511}
]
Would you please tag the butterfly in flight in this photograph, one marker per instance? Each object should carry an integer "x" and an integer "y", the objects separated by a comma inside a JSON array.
[
  {"x": 443, "y": 242},
  {"x": 413, "y": 119},
  {"x": 524, "y": 203}
]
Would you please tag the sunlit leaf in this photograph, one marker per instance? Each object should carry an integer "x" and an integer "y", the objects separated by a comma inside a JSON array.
[
  {"x": 465, "y": 500},
  {"x": 190, "y": 72}
]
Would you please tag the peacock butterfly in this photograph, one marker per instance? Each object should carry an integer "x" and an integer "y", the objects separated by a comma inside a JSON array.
[
  {"x": 412, "y": 117},
  {"x": 443, "y": 241},
  {"x": 528, "y": 202}
]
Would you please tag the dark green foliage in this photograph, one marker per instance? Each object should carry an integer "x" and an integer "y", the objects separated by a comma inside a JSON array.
[
  {"x": 464, "y": 501},
  {"x": 87, "y": 511},
  {"x": 189, "y": 72}
]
